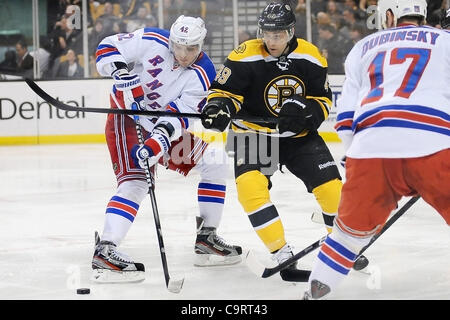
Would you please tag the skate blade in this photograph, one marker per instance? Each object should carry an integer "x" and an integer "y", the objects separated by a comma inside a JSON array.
[
  {"x": 211, "y": 260},
  {"x": 112, "y": 276}
]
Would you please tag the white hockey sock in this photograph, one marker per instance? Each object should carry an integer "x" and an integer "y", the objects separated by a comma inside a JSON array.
[
  {"x": 211, "y": 199},
  {"x": 120, "y": 214},
  {"x": 336, "y": 258},
  {"x": 122, "y": 209}
]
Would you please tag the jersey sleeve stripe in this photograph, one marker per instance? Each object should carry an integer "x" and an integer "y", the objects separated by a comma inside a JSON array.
[
  {"x": 172, "y": 107},
  {"x": 343, "y": 125},
  {"x": 104, "y": 51},
  {"x": 202, "y": 75},
  {"x": 310, "y": 58},
  {"x": 325, "y": 107},
  {"x": 344, "y": 121},
  {"x": 414, "y": 117},
  {"x": 237, "y": 100},
  {"x": 156, "y": 37}
]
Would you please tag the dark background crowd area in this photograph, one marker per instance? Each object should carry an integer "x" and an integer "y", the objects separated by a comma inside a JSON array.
[{"x": 336, "y": 26}]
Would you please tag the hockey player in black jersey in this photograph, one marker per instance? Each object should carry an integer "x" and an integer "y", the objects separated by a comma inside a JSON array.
[
  {"x": 276, "y": 75},
  {"x": 445, "y": 21}
]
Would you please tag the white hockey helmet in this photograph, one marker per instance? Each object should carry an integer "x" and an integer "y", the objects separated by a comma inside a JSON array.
[
  {"x": 188, "y": 31},
  {"x": 401, "y": 8}
]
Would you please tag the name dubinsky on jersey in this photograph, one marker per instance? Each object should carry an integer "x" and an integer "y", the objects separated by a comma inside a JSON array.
[
  {"x": 395, "y": 101},
  {"x": 259, "y": 83},
  {"x": 167, "y": 86}
]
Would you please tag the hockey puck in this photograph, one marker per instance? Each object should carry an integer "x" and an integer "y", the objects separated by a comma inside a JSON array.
[
  {"x": 83, "y": 291},
  {"x": 361, "y": 263}
]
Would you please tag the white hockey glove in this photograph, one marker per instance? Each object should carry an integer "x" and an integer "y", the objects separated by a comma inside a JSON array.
[
  {"x": 131, "y": 87},
  {"x": 153, "y": 148}
]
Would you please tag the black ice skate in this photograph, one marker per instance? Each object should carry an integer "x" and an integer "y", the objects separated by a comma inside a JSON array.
[
  {"x": 212, "y": 250},
  {"x": 111, "y": 266},
  {"x": 290, "y": 273}
]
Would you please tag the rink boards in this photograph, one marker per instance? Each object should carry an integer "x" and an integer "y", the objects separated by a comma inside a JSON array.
[{"x": 27, "y": 119}]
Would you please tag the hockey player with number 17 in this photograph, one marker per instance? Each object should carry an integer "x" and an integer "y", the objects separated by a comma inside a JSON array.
[
  {"x": 165, "y": 72},
  {"x": 394, "y": 120}
]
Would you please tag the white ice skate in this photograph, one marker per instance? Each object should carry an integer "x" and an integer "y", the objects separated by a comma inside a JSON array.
[
  {"x": 111, "y": 266},
  {"x": 212, "y": 250}
]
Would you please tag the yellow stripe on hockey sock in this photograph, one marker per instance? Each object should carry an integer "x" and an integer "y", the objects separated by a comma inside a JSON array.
[
  {"x": 328, "y": 195},
  {"x": 253, "y": 190},
  {"x": 272, "y": 235}
]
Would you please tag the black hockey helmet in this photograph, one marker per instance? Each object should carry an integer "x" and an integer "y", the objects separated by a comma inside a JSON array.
[
  {"x": 276, "y": 16},
  {"x": 445, "y": 22}
]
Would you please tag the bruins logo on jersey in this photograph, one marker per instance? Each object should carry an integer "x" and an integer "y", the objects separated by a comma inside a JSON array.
[
  {"x": 240, "y": 49},
  {"x": 281, "y": 88}
]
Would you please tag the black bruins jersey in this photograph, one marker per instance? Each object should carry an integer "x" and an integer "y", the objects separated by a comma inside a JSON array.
[{"x": 258, "y": 83}]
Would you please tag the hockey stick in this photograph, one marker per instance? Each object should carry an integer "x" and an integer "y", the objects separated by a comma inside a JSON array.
[
  {"x": 264, "y": 272},
  {"x": 60, "y": 105},
  {"x": 390, "y": 222},
  {"x": 172, "y": 285},
  {"x": 362, "y": 263},
  {"x": 260, "y": 270}
]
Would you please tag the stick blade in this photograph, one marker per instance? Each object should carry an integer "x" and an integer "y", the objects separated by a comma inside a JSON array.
[
  {"x": 317, "y": 217},
  {"x": 175, "y": 286},
  {"x": 254, "y": 265}
]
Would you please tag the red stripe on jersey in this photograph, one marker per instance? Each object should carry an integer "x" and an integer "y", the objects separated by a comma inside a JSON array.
[
  {"x": 172, "y": 109},
  {"x": 105, "y": 50},
  {"x": 156, "y": 35},
  {"x": 203, "y": 73},
  {"x": 344, "y": 123},
  {"x": 403, "y": 115}
]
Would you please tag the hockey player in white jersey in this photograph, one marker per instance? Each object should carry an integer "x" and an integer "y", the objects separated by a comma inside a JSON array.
[
  {"x": 166, "y": 72},
  {"x": 394, "y": 120}
]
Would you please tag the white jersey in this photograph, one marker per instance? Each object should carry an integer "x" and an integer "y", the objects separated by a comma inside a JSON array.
[
  {"x": 395, "y": 101},
  {"x": 167, "y": 86}
]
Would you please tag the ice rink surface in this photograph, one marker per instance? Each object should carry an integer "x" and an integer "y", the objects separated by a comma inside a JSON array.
[{"x": 53, "y": 198}]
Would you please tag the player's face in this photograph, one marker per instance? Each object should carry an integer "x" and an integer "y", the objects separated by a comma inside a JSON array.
[
  {"x": 185, "y": 55},
  {"x": 276, "y": 41}
]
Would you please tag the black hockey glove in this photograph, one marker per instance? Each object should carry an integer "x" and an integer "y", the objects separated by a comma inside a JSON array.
[
  {"x": 294, "y": 115},
  {"x": 216, "y": 114}
]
